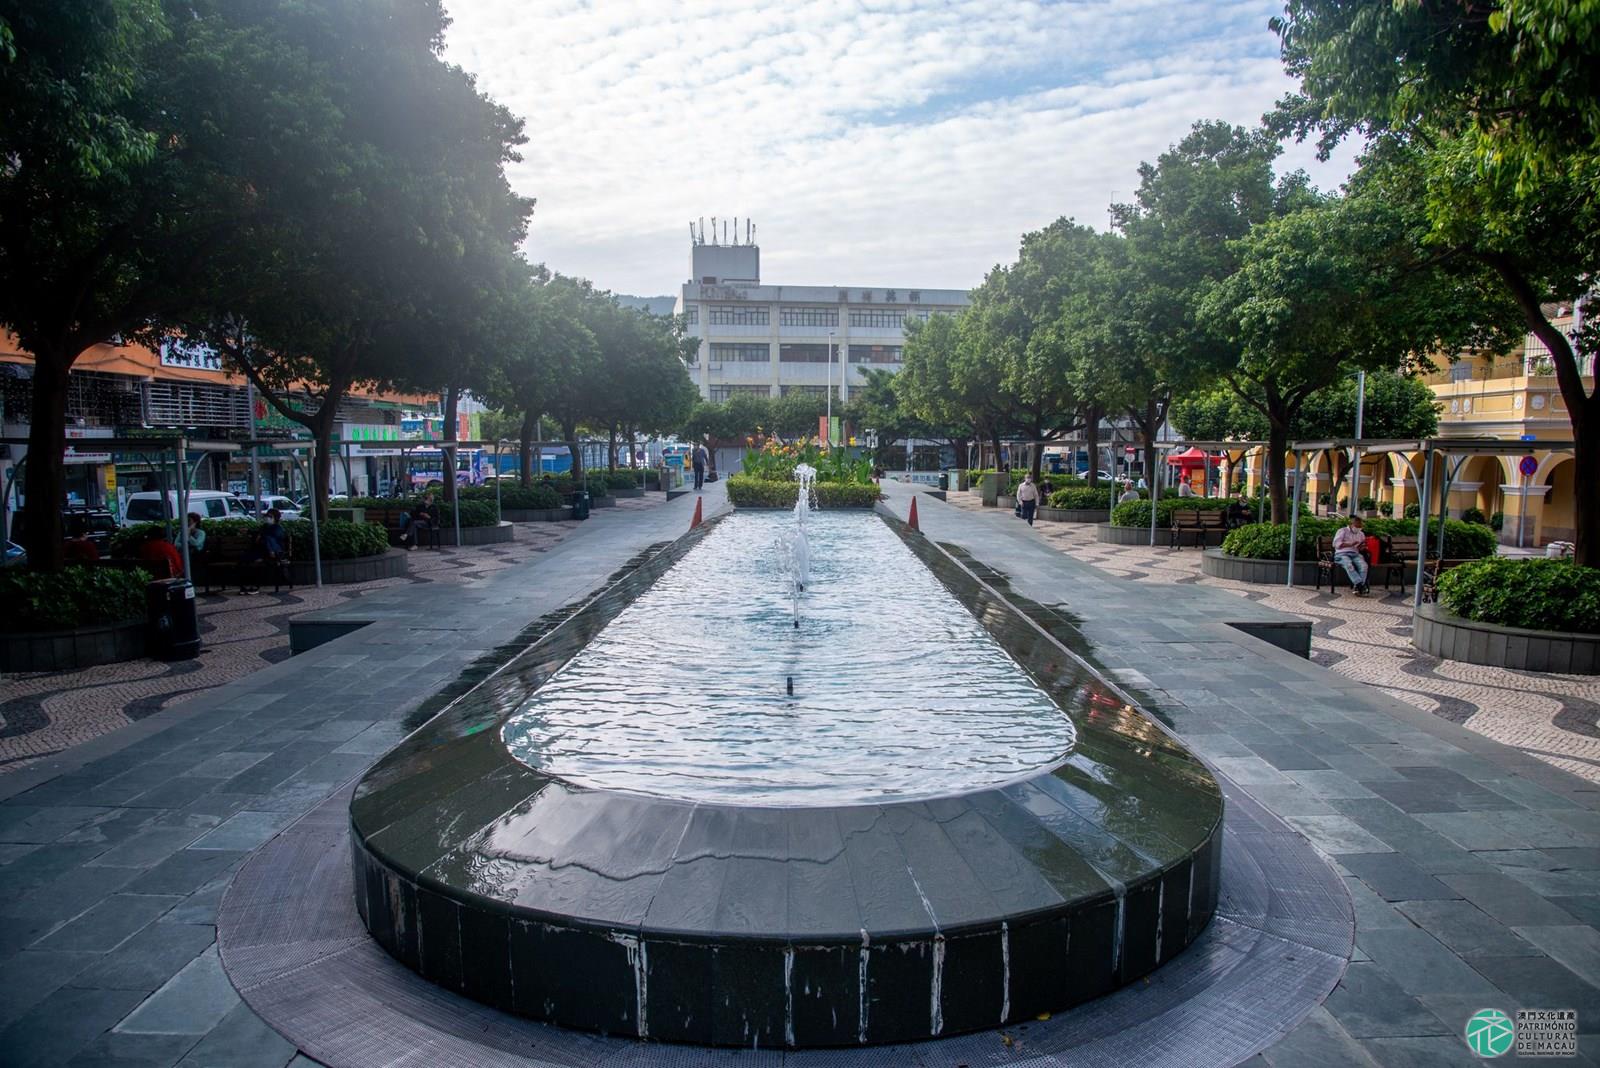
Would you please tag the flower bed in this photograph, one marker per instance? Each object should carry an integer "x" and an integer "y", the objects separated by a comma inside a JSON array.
[{"x": 747, "y": 492}]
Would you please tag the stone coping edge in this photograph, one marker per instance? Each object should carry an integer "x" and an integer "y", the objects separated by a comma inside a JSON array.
[
  {"x": 69, "y": 650},
  {"x": 1440, "y": 632}
]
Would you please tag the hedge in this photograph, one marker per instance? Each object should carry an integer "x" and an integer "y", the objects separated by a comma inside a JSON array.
[
  {"x": 539, "y": 495},
  {"x": 1137, "y": 513},
  {"x": 1536, "y": 594},
  {"x": 339, "y": 539},
  {"x": 474, "y": 513},
  {"x": 765, "y": 493},
  {"x": 72, "y": 597},
  {"x": 1270, "y": 541},
  {"x": 1081, "y": 497}
]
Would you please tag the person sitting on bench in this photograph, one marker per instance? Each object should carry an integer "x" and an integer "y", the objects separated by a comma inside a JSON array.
[{"x": 1348, "y": 543}]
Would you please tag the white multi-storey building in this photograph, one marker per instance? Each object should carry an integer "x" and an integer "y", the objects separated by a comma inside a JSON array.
[{"x": 772, "y": 340}]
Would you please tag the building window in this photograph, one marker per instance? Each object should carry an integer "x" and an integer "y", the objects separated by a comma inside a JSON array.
[
  {"x": 691, "y": 314},
  {"x": 866, "y": 296},
  {"x": 729, "y": 353},
  {"x": 788, "y": 316},
  {"x": 802, "y": 353},
  {"x": 722, "y": 393},
  {"x": 874, "y": 353},
  {"x": 807, "y": 391},
  {"x": 1461, "y": 372},
  {"x": 889, "y": 296},
  {"x": 879, "y": 317},
  {"x": 915, "y": 296},
  {"x": 739, "y": 315}
]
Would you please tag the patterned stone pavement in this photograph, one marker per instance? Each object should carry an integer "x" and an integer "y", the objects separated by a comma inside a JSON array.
[
  {"x": 45, "y": 713},
  {"x": 1553, "y": 717}
]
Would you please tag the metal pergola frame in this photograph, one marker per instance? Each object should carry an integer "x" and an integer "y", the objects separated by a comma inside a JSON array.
[
  {"x": 1458, "y": 449},
  {"x": 180, "y": 446}
]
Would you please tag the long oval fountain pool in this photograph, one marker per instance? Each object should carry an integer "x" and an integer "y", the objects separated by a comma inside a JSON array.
[
  {"x": 635, "y": 827},
  {"x": 704, "y": 689}
]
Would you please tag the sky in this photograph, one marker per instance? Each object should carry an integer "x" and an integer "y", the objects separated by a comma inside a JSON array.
[{"x": 904, "y": 143}]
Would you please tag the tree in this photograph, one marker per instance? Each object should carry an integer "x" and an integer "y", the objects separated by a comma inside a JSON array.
[
  {"x": 106, "y": 198},
  {"x": 1397, "y": 407},
  {"x": 1199, "y": 196},
  {"x": 1497, "y": 106},
  {"x": 946, "y": 380},
  {"x": 1341, "y": 285}
]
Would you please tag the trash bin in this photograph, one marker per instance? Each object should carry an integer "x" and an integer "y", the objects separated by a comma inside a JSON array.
[
  {"x": 580, "y": 505},
  {"x": 174, "y": 633}
]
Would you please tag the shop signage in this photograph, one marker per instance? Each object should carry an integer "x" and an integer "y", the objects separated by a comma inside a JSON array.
[{"x": 195, "y": 355}]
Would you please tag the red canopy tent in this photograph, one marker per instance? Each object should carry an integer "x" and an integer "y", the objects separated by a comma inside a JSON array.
[{"x": 1189, "y": 458}]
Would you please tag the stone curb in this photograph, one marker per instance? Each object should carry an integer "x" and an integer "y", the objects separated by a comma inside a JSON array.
[{"x": 1440, "y": 632}]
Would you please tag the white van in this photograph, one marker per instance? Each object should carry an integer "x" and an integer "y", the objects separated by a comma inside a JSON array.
[{"x": 212, "y": 504}]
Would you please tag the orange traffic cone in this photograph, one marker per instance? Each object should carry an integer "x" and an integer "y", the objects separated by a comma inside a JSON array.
[
  {"x": 912, "y": 522},
  {"x": 698, "y": 514}
]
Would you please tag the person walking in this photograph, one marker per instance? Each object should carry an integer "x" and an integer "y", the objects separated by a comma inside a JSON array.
[
  {"x": 699, "y": 459},
  {"x": 1348, "y": 542},
  {"x": 1028, "y": 498}
]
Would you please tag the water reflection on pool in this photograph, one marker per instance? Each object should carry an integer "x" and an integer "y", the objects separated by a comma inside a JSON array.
[{"x": 899, "y": 693}]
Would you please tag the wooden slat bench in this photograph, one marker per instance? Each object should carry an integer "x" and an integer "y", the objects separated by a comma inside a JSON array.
[{"x": 1197, "y": 521}]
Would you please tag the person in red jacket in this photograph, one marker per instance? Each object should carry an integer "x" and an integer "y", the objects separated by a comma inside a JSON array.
[{"x": 156, "y": 549}]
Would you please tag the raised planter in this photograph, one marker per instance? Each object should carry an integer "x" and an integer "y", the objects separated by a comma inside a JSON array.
[
  {"x": 535, "y": 515},
  {"x": 1110, "y": 534},
  {"x": 1439, "y": 632},
  {"x": 631, "y": 491},
  {"x": 608, "y": 501},
  {"x": 389, "y": 564},
  {"x": 1072, "y": 515},
  {"x": 68, "y": 650},
  {"x": 1218, "y": 564},
  {"x": 498, "y": 534}
]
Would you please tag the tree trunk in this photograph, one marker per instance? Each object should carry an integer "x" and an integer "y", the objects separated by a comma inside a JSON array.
[
  {"x": 994, "y": 440},
  {"x": 611, "y": 447},
  {"x": 45, "y": 480},
  {"x": 322, "y": 467},
  {"x": 571, "y": 432},
  {"x": 1586, "y": 484},
  {"x": 1583, "y": 409},
  {"x": 1277, "y": 446},
  {"x": 1036, "y": 459},
  {"x": 1091, "y": 429},
  {"x": 633, "y": 451},
  {"x": 525, "y": 459},
  {"x": 447, "y": 467}
]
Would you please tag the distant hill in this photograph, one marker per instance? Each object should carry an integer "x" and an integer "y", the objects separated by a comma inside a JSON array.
[{"x": 653, "y": 305}]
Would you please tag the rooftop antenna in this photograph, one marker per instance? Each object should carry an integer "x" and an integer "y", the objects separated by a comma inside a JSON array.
[
  {"x": 749, "y": 230},
  {"x": 702, "y": 229},
  {"x": 724, "y": 231},
  {"x": 736, "y": 229},
  {"x": 713, "y": 229},
  {"x": 691, "y": 232}
]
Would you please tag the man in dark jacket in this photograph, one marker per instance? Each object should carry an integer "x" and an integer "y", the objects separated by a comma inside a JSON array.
[{"x": 698, "y": 458}]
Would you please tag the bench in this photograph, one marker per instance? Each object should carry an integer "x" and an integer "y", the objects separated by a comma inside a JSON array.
[
  {"x": 1400, "y": 551},
  {"x": 397, "y": 523},
  {"x": 1328, "y": 567},
  {"x": 1197, "y": 521},
  {"x": 232, "y": 558},
  {"x": 1430, "y": 576}
]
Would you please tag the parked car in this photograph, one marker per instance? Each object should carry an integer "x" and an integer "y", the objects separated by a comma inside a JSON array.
[
  {"x": 211, "y": 504},
  {"x": 98, "y": 523},
  {"x": 289, "y": 508}
]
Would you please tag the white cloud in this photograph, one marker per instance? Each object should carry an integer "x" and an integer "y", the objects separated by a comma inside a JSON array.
[{"x": 887, "y": 143}]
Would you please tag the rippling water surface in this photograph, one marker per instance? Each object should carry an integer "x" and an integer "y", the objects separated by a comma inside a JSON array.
[{"x": 898, "y": 691}]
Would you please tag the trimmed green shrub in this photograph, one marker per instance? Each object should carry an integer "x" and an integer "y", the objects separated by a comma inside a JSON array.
[
  {"x": 1386, "y": 508},
  {"x": 1137, "y": 513},
  {"x": 747, "y": 492},
  {"x": 1413, "y": 511},
  {"x": 1462, "y": 541},
  {"x": 1474, "y": 515},
  {"x": 1535, "y": 594},
  {"x": 474, "y": 513},
  {"x": 125, "y": 542},
  {"x": 337, "y": 539},
  {"x": 621, "y": 478},
  {"x": 1497, "y": 522},
  {"x": 1081, "y": 497},
  {"x": 71, "y": 597},
  {"x": 1270, "y": 541}
]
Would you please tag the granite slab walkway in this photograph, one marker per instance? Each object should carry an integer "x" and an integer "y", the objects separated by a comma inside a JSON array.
[
  {"x": 1474, "y": 868},
  {"x": 115, "y": 853},
  {"x": 1475, "y": 871}
]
